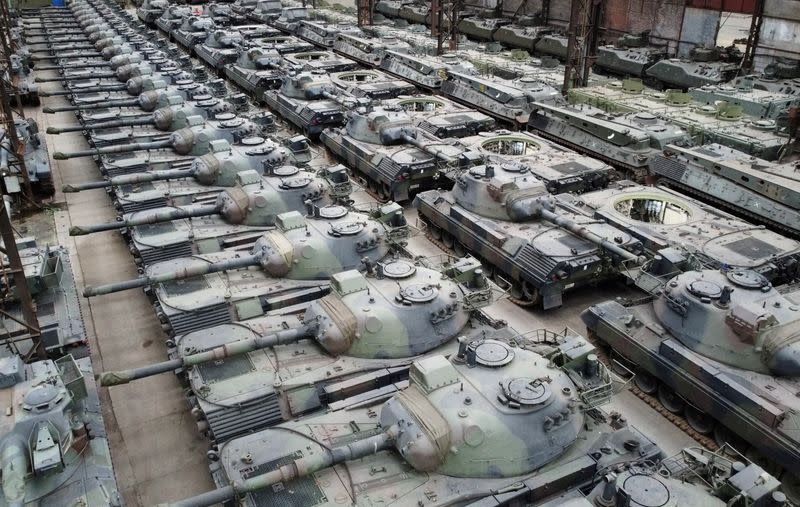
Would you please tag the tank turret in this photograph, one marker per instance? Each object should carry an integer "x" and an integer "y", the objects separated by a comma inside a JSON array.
[
  {"x": 197, "y": 139},
  {"x": 514, "y": 407},
  {"x": 192, "y": 30},
  {"x": 256, "y": 69}
]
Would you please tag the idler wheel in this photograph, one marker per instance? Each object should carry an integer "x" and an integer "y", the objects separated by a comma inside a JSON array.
[
  {"x": 699, "y": 420},
  {"x": 671, "y": 400},
  {"x": 646, "y": 382}
]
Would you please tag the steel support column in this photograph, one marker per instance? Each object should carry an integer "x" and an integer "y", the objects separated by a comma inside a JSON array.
[{"x": 584, "y": 22}]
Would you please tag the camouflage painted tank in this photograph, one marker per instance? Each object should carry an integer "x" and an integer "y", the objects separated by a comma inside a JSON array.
[
  {"x": 289, "y": 18},
  {"x": 529, "y": 241},
  {"x": 524, "y": 410},
  {"x": 497, "y": 96},
  {"x": 220, "y": 48},
  {"x": 671, "y": 224},
  {"x": 523, "y": 37},
  {"x": 481, "y": 28},
  {"x": 256, "y": 70},
  {"x": 310, "y": 101},
  {"x": 226, "y": 215},
  {"x": 627, "y": 141},
  {"x": 720, "y": 122},
  {"x": 695, "y": 476},
  {"x": 265, "y": 11},
  {"x": 760, "y": 104},
  {"x": 49, "y": 455},
  {"x": 371, "y": 84},
  {"x": 192, "y": 30},
  {"x": 335, "y": 366},
  {"x": 319, "y": 61},
  {"x": 560, "y": 169},
  {"x": 395, "y": 157},
  {"x": 294, "y": 264},
  {"x": 368, "y": 51},
  {"x": 683, "y": 74},
  {"x": 197, "y": 139},
  {"x": 765, "y": 192},
  {"x": 323, "y": 34},
  {"x": 172, "y": 17},
  {"x": 709, "y": 341}
]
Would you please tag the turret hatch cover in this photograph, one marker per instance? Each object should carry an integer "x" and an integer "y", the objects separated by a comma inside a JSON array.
[
  {"x": 526, "y": 391},
  {"x": 646, "y": 491},
  {"x": 232, "y": 123},
  {"x": 295, "y": 182},
  {"x": 286, "y": 170},
  {"x": 398, "y": 269},
  {"x": 747, "y": 278},
  {"x": 252, "y": 141},
  {"x": 332, "y": 211},
  {"x": 347, "y": 229},
  {"x": 418, "y": 293},
  {"x": 705, "y": 288},
  {"x": 492, "y": 353},
  {"x": 40, "y": 395},
  {"x": 225, "y": 117}
]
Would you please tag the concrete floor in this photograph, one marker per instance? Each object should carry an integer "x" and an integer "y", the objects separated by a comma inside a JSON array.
[{"x": 157, "y": 452}]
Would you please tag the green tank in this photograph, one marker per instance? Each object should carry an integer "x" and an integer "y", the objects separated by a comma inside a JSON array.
[
  {"x": 719, "y": 347},
  {"x": 464, "y": 429}
]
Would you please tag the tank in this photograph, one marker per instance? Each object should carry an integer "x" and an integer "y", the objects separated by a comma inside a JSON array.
[
  {"x": 534, "y": 246},
  {"x": 284, "y": 44},
  {"x": 256, "y": 70},
  {"x": 625, "y": 140},
  {"x": 553, "y": 45},
  {"x": 392, "y": 336},
  {"x": 685, "y": 232},
  {"x": 220, "y": 48},
  {"x": 223, "y": 220},
  {"x": 368, "y": 51},
  {"x": 528, "y": 408},
  {"x": 371, "y": 84},
  {"x": 397, "y": 159},
  {"x": 319, "y": 61},
  {"x": 173, "y": 148},
  {"x": 243, "y": 7},
  {"x": 215, "y": 288},
  {"x": 759, "y": 104},
  {"x": 53, "y": 443},
  {"x": 310, "y": 101},
  {"x": 707, "y": 375},
  {"x": 764, "y": 192},
  {"x": 150, "y": 10},
  {"x": 323, "y": 34},
  {"x": 389, "y": 8},
  {"x": 23, "y": 80},
  {"x": 721, "y": 121},
  {"x": 35, "y": 157},
  {"x": 192, "y": 30},
  {"x": 625, "y": 60},
  {"x": 684, "y": 74},
  {"x": 171, "y": 18},
  {"x": 782, "y": 68},
  {"x": 423, "y": 72},
  {"x": 441, "y": 117},
  {"x": 497, "y": 97},
  {"x": 289, "y": 18},
  {"x": 523, "y": 37},
  {"x": 560, "y": 169},
  {"x": 694, "y": 476},
  {"x": 265, "y": 11},
  {"x": 481, "y": 28}
]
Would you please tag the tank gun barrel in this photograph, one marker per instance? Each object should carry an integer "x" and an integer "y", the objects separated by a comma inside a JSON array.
[
  {"x": 153, "y": 217},
  {"x": 108, "y": 150},
  {"x": 105, "y": 88},
  {"x": 128, "y": 122},
  {"x": 14, "y": 463},
  {"x": 102, "y": 104},
  {"x": 431, "y": 150},
  {"x": 588, "y": 235},
  {"x": 130, "y": 179},
  {"x": 237, "y": 348},
  {"x": 39, "y": 58},
  {"x": 298, "y": 468},
  {"x": 98, "y": 75},
  {"x": 90, "y": 65}
]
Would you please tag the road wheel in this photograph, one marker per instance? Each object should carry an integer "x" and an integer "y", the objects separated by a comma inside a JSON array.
[
  {"x": 530, "y": 292},
  {"x": 699, "y": 421},
  {"x": 723, "y": 435},
  {"x": 459, "y": 249},
  {"x": 447, "y": 239},
  {"x": 646, "y": 382},
  {"x": 436, "y": 232},
  {"x": 671, "y": 400}
]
